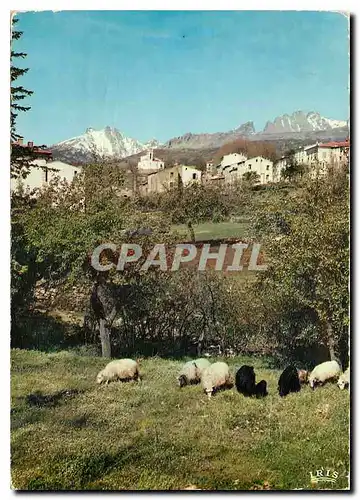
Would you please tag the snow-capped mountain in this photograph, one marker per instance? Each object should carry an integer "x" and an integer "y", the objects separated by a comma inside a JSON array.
[
  {"x": 153, "y": 143},
  {"x": 297, "y": 125},
  {"x": 108, "y": 142},
  {"x": 301, "y": 122},
  {"x": 246, "y": 129}
]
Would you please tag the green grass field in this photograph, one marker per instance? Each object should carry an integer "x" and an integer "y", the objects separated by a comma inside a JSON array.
[
  {"x": 153, "y": 436},
  {"x": 212, "y": 231}
]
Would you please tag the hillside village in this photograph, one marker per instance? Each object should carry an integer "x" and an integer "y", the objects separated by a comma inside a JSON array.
[{"x": 153, "y": 177}]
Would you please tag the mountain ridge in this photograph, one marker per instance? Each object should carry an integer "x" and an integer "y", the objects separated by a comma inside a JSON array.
[
  {"x": 107, "y": 142},
  {"x": 111, "y": 143}
]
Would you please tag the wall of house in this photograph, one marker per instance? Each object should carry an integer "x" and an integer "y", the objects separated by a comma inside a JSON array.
[
  {"x": 190, "y": 174},
  {"x": 210, "y": 167},
  {"x": 39, "y": 177},
  {"x": 232, "y": 159},
  {"x": 331, "y": 155},
  {"x": 63, "y": 170},
  {"x": 278, "y": 167},
  {"x": 168, "y": 178},
  {"x": 160, "y": 181},
  {"x": 318, "y": 153},
  {"x": 262, "y": 166},
  {"x": 148, "y": 162}
]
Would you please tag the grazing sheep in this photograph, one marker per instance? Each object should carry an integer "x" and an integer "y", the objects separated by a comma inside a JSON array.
[
  {"x": 289, "y": 381},
  {"x": 191, "y": 371},
  {"x": 330, "y": 370},
  {"x": 215, "y": 377},
  {"x": 303, "y": 376},
  {"x": 119, "y": 369},
  {"x": 245, "y": 380},
  {"x": 344, "y": 379},
  {"x": 260, "y": 389}
]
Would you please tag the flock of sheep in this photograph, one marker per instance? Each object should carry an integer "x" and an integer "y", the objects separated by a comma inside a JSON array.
[{"x": 217, "y": 376}]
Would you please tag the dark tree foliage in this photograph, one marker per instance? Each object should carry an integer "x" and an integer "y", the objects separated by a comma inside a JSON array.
[
  {"x": 18, "y": 92},
  {"x": 251, "y": 177},
  {"x": 20, "y": 157}
]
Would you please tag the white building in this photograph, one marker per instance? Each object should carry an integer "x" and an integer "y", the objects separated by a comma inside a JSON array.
[
  {"x": 231, "y": 160},
  {"x": 148, "y": 162},
  {"x": 329, "y": 152},
  {"x": 262, "y": 166},
  {"x": 279, "y": 166},
  {"x": 42, "y": 173},
  {"x": 209, "y": 167},
  {"x": 317, "y": 155},
  {"x": 168, "y": 178},
  {"x": 301, "y": 156}
]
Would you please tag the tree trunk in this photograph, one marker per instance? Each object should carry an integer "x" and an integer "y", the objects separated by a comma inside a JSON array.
[
  {"x": 105, "y": 339},
  {"x": 331, "y": 341},
  {"x": 200, "y": 343},
  {"x": 191, "y": 230}
]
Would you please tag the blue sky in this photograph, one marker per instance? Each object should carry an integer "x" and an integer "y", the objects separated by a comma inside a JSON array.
[{"x": 164, "y": 73}]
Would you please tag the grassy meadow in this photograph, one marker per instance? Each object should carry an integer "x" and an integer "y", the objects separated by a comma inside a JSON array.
[
  {"x": 153, "y": 436},
  {"x": 216, "y": 230}
]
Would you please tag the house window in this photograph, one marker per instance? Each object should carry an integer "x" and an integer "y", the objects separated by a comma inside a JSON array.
[
  {"x": 194, "y": 176},
  {"x": 267, "y": 177},
  {"x": 250, "y": 166},
  {"x": 75, "y": 173},
  {"x": 46, "y": 175},
  {"x": 171, "y": 174},
  {"x": 256, "y": 159},
  {"x": 267, "y": 167},
  {"x": 171, "y": 184}
]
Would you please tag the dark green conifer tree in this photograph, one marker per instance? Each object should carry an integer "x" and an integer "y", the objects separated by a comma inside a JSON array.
[{"x": 20, "y": 156}]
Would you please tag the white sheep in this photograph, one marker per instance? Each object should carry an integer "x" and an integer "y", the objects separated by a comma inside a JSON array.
[
  {"x": 344, "y": 379},
  {"x": 119, "y": 369},
  {"x": 191, "y": 371},
  {"x": 216, "y": 376},
  {"x": 329, "y": 370}
]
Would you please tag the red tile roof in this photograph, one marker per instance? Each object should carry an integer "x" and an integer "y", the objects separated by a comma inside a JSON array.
[
  {"x": 38, "y": 150},
  {"x": 334, "y": 144}
]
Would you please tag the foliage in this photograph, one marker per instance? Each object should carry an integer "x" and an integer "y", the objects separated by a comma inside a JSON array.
[
  {"x": 306, "y": 240},
  {"x": 18, "y": 93},
  {"x": 20, "y": 162},
  {"x": 24, "y": 265},
  {"x": 56, "y": 229},
  {"x": 195, "y": 203},
  {"x": 68, "y": 220},
  {"x": 251, "y": 177},
  {"x": 181, "y": 312},
  {"x": 293, "y": 170}
]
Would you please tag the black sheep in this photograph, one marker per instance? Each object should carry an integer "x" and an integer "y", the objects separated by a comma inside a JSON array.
[
  {"x": 260, "y": 389},
  {"x": 245, "y": 380},
  {"x": 289, "y": 381}
]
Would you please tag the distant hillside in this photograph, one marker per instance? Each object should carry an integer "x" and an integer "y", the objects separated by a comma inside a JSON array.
[
  {"x": 111, "y": 143},
  {"x": 297, "y": 126},
  {"x": 198, "y": 157}
]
